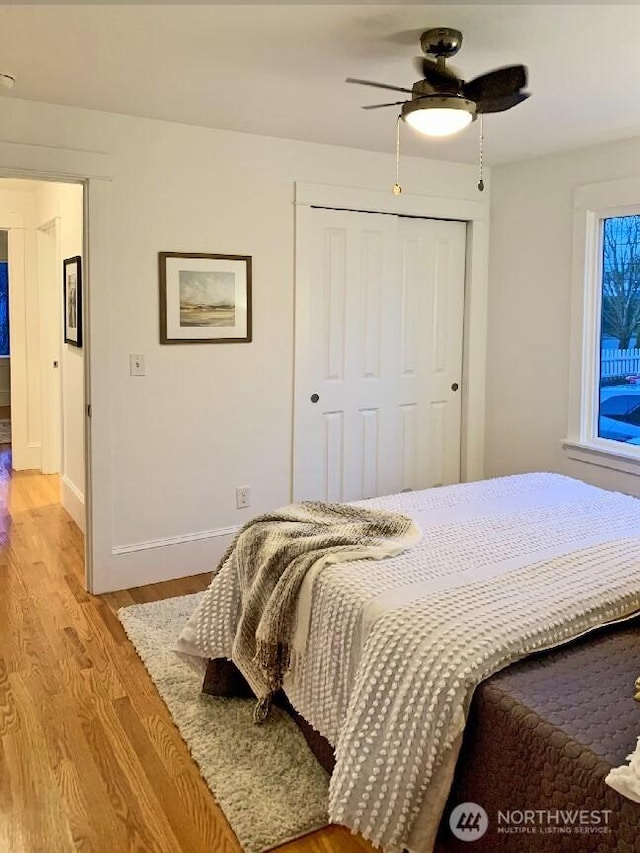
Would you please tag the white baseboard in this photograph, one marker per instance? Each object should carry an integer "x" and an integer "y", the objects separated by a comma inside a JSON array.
[
  {"x": 166, "y": 559},
  {"x": 175, "y": 540},
  {"x": 73, "y": 501}
]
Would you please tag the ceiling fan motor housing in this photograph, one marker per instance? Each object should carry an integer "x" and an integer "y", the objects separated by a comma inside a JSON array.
[
  {"x": 443, "y": 102},
  {"x": 441, "y": 42}
]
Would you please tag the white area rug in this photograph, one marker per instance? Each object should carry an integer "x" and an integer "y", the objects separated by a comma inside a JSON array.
[
  {"x": 265, "y": 778},
  {"x": 5, "y": 431}
]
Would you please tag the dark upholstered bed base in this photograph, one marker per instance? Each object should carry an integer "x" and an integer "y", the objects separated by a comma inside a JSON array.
[{"x": 541, "y": 735}]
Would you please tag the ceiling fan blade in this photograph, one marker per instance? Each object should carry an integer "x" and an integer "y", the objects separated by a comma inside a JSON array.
[
  {"x": 434, "y": 75},
  {"x": 377, "y": 106},
  {"x": 378, "y": 85},
  {"x": 496, "y": 84},
  {"x": 499, "y": 105}
]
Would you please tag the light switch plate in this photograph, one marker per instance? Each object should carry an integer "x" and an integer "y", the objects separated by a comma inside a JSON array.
[{"x": 136, "y": 365}]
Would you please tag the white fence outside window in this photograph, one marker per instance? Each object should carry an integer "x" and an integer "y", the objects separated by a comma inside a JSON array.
[{"x": 619, "y": 362}]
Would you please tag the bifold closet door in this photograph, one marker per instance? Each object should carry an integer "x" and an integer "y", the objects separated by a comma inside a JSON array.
[{"x": 379, "y": 330}]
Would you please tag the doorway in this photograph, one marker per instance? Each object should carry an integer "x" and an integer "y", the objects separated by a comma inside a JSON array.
[
  {"x": 5, "y": 371},
  {"x": 379, "y": 350},
  {"x": 45, "y": 226}
]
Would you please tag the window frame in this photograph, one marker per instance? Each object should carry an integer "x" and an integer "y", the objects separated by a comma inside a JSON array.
[{"x": 592, "y": 205}]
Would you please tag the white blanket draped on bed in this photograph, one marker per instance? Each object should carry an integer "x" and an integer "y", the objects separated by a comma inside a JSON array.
[
  {"x": 395, "y": 649},
  {"x": 626, "y": 779}
]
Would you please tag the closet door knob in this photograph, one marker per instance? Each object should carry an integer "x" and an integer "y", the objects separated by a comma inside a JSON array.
[
  {"x": 455, "y": 386},
  {"x": 314, "y": 398}
]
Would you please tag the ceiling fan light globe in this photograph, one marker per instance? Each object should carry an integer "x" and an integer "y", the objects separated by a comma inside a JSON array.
[{"x": 439, "y": 116}]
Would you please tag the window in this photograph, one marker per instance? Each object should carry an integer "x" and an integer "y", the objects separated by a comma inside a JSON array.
[
  {"x": 604, "y": 380},
  {"x": 619, "y": 375},
  {"x": 4, "y": 308}
]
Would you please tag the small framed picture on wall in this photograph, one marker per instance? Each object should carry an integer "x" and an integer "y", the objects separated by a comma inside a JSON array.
[
  {"x": 204, "y": 299},
  {"x": 73, "y": 301}
]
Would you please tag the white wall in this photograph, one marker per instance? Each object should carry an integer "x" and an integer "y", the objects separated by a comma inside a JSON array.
[
  {"x": 529, "y": 309},
  {"x": 205, "y": 418},
  {"x": 64, "y": 204}
]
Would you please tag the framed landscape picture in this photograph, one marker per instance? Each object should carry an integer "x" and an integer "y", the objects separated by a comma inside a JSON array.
[
  {"x": 72, "y": 278},
  {"x": 204, "y": 299}
]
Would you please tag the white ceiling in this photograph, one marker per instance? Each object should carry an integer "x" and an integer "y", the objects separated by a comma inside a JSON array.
[{"x": 279, "y": 70}]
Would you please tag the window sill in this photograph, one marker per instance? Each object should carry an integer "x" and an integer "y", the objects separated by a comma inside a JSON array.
[{"x": 605, "y": 457}]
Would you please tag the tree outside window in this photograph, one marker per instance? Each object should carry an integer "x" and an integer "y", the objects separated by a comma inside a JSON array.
[
  {"x": 621, "y": 280},
  {"x": 619, "y": 397}
]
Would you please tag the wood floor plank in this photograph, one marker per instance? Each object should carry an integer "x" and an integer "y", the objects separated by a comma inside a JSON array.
[
  {"x": 206, "y": 814},
  {"x": 329, "y": 840},
  {"x": 43, "y": 821},
  {"x": 130, "y": 801},
  {"x": 6, "y": 796},
  {"x": 73, "y": 768},
  {"x": 161, "y": 733},
  {"x": 8, "y": 705},
  {"x": 187, "y": 834},
  {"x": 90, "y": 759}
]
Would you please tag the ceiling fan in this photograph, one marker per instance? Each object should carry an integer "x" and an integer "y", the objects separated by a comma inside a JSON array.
[{"x": 442, "y": 103}]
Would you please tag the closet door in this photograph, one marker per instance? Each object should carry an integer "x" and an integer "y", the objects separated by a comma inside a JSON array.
[
  {"x": 432, "y": 264},
  {"x": 378, "y": 355}
]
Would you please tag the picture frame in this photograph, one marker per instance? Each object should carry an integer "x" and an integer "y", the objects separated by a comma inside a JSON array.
[
  {"x": 204, "y": 298},
  {"x": 72, "y": 298}
]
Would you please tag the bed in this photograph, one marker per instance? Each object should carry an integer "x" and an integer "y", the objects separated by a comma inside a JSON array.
[
  {"x": 545, "y": 722},
  {"x": 394, "y": 650},
  {"x": 542, "y": 735}
]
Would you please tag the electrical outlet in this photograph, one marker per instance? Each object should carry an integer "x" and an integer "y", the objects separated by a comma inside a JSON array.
[
  {"x": 136, "y": 365},
  {"x": 243, "y": 497}
]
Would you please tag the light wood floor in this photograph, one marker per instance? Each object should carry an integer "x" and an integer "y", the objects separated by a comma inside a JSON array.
[{"x": 89, "y": 757}]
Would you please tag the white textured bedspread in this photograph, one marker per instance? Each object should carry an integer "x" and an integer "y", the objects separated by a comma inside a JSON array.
[{"x": 395, "y": 648}]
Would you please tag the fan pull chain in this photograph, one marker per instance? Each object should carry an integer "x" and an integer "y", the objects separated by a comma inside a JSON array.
[
  {"x": 481, "y": 182},
  {"x": 397, "y": 189}
]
